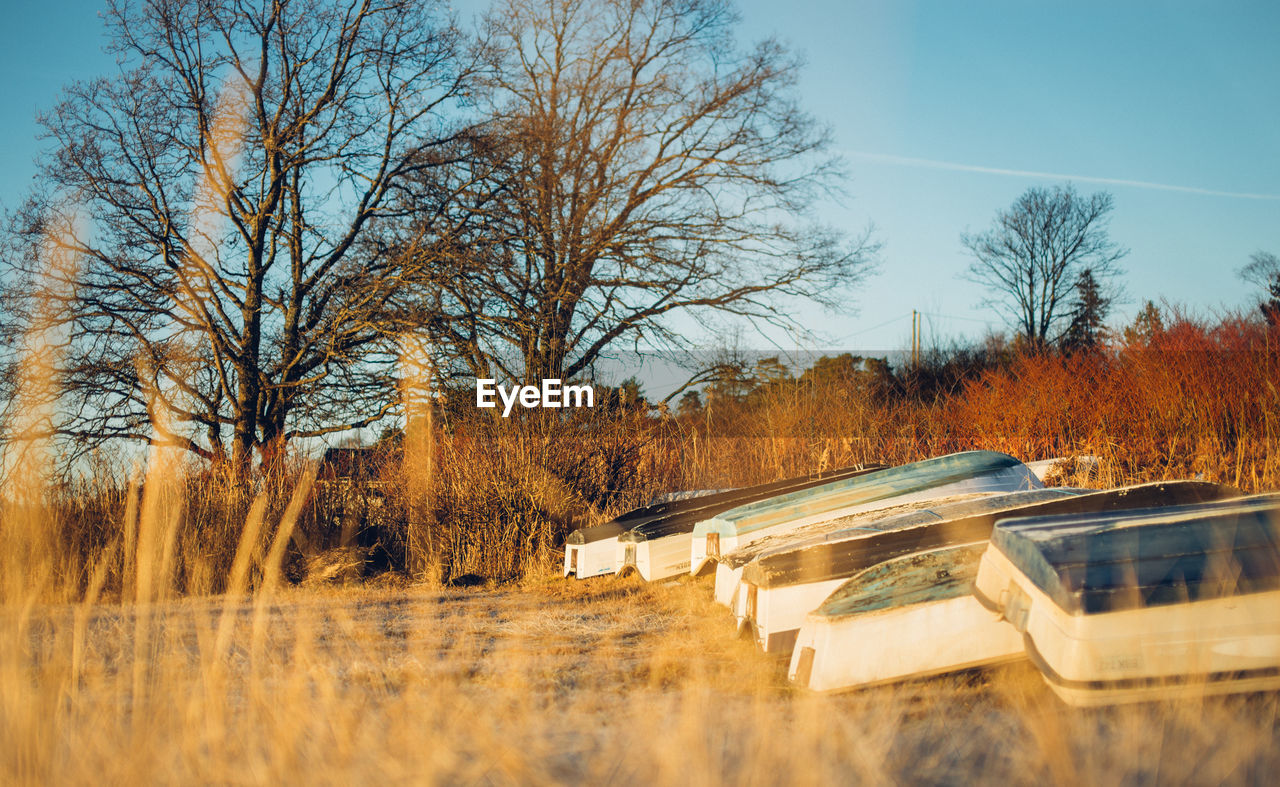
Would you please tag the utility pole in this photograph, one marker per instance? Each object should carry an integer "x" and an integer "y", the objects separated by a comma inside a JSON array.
[{"x": 915, "y": 338}]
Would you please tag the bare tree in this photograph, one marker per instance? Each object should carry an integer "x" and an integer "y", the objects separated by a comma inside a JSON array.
[
  {"x": 1035, "y": 252},
  {"x": 230, "y": 184},
  {"x": 1263, "y": 270},
  {"x": 635, "y": 164}
]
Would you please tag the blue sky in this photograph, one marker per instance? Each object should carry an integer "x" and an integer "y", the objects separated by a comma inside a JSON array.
[
  {"x": 1181, "y": 94},
  {"x": 1169, "y": 93}
]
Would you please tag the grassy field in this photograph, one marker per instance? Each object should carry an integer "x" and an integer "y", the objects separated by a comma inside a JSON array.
[
  {"x": 548, "y": 681},
  {"x": 165, "y": 626}
]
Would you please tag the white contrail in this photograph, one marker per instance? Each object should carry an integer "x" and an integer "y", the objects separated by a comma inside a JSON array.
[{"x": 1024, "y": 173}]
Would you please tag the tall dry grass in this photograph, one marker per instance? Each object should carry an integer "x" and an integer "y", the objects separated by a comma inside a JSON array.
[
  {"x": 149, "y": 632},
  {"x": 504, "y": 494},
  {"x": 471, "y": 497},
  {"x": 611, "y": 681}
]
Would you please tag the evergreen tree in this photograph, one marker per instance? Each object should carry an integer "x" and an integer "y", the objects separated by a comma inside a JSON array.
[
  {"x": 690, "y": 403},
  {"x": 1088, "y": 315},
  {"x": 1146, "y": 325}
]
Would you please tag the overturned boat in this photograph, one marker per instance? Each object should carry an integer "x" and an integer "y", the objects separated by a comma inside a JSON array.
[
  {"x": 589, "y": 551},
  {"x": 970, "y": 472},
  {"x": 783, "y": 582},
  {"x": 593, "y": 551},
  {"x": 658, "y": 548},
  {"x": 1146, "y": 604},
  {"x": 912, "y": 616},
  {"x": 728, "y": 587},
  {"x": 780, "y": 585},
  {"x": 924, "y": 598}
]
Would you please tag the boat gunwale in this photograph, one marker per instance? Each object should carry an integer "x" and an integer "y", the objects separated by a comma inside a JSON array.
[
  {"x": 763, "y": 576},
  {"x": 755, "y": 493},
  {"x": 749, "y": 522}
]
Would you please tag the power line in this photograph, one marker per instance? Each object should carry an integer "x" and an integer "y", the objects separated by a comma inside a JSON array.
[
  {"x": 872, "y": 328},
  {"x": 912, "y": 314},
  {"x": 958, "y": 317}
]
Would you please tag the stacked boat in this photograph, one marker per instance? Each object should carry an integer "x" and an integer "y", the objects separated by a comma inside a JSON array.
[
  {"x": 1116, "y": 596},
  {"x": 654, "y": 540},
  {"x": 827, "y": 508},
  {"x": 870, "y": 575},
  {"x": 917, "y": 606},
  {"x": 1152, "y": 603},
  {"x": 785, "y": 581}
]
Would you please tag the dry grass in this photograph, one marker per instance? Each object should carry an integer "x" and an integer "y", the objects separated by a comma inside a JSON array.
[
  {"x": 544, "y": 681},
  {"x": 474, "y": 496},
  {"x": 549, "y": 682}
]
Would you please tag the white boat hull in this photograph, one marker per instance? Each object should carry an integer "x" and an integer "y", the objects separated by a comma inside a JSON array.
[
  {"x": 776, "y": 614},
  {"x": 727, "y": 581},
  {"x": 1214, "y": 646},
  {"x": 655, "y": 559},
  {"x": 896, "y": 644},
  {"x": 590, "y": 560}
]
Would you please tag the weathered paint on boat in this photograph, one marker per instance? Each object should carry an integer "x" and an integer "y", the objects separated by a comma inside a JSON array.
[
  {"x": 1089, "y": 562},
  {"x": 968, "y": 472},
  {"x": 910, "y": 617},
  {"x": 793, "y": 559},
  {"x": 658, "y": 548},
  {"x": 964, "y": 473},
  {"x": 783, "y": 583},
  {"x": 784, "y": 576},
  {"x": 730, "y": 569},
  {"x": 1146, "y": 604}
]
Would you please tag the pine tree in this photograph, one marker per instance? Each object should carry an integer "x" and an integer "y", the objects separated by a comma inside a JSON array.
[
  {"x": 1145, "y": 327},
  {"x": 1088, "y": 315}
]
